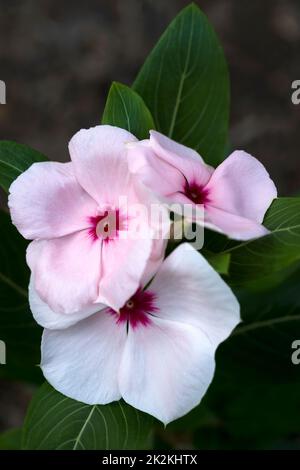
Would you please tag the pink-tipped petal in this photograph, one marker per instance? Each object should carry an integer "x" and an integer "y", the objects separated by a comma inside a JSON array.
[
  {"x": 242, "y": 186},
  {"x": 66, "y": 271},
  {"x": 166, "y": 368},
  {"x": 51, "y": 320},
  {"x": 82, "y": 362},
  {"x": 46, "y": 201},
  {"x": 234, "y": 226},
  {"x": 190, "y": 291},
  {"x": 100, "y": 162}
]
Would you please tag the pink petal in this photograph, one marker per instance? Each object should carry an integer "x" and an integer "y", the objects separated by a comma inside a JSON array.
[
  {"x": 46, "y": 201},
  {"x": 82, "y": 362},
  {"x": 66, "y": 271},
  {"x": 155, "y": 260},
  {"x": 234, "y": 226},
  {"x": 242, "y": 186},
  {"x": 190, "y": 291},
  {"x": 100, "y": 161},
  {"x": 183, "y": 158},
  {"x": 130, "y": 260},
  {"x": 166, "y": 368},
  {"x": 47, "y": 318},
  {"x": 154, "y": 172},
  {"x": 123, "y": 266}
]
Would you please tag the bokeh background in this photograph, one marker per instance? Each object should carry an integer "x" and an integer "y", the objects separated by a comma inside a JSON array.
[{"x": 58, "y": 59}]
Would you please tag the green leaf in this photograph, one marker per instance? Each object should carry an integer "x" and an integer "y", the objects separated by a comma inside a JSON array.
[
  {"x": 257, "y": 259},
  {"x": 11, "y": 440},
  {"x": 220, "y": 261},
  {"x": 199, "y": 417},
  {"x": 260, "y": 349},
  {"x": 14, "y": 159},
  {"x": 265, "y": 262},
  {"x": 18, "y": 329},
  {"x": 126, "y": 109},
  {"x": 269, "y": 411},
  {"x": 184, "y": 82},
  {"x": 256, "y": 386},
  {"x": 56, "y": 422}
]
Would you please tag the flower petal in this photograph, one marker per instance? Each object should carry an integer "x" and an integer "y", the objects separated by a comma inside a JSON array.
[
  {"x": 123, "y": 266},
  {"x": 242, "y": 186},
  {"x": 166, "y": 368},
  {"x": 184, "y": 159},
  {"x": 66, "y": 271},
  {"x": 234, "y": 226},
  {"x": 47, "y": 318},
  {"x": 155, "y": 260},
  {"x": 190, "y": 291},
  {"x": 155, "y": 173},
  {"x": 46, "y": 201},
  {"x": 100, "y": 161},
  {"x": 82, "y": 362}
]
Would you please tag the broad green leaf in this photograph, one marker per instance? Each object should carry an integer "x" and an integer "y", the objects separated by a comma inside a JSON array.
[
  {"x": 11, "y": 440},
  {"x": 18, "y": 329},
  {"x": 200, "y": 416},
  {"x": 14, "y": 159},
  {"x": 126, "y": 109},
  {"x": 269, "y": 411},
  {"x": 266, "y": 261},
  {"x": 255, "y": 391},
  {"x": 219, "y": 261},
  {"x": 56, "y": 422},
  {"x": 260, "y": 348},
  {"x": 184, "y": 82},
  {"x": 259, "y": 258}
]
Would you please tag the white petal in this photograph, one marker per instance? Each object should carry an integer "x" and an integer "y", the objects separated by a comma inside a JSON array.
[
  {"x": 82, "y": 362},
  {"x": 189, "y": 290},
  {"x": 47, "y": 318},
  {"x": 166, "y": 368}
]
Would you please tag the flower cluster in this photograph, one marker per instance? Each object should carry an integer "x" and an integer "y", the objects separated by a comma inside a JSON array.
[{"x": 120, "y": 319}]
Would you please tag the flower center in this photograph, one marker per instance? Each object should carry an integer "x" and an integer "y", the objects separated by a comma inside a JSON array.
[
  {"x": 106, "y": 226},
  {"x": 196, "y": 193},
  {"x": 138, "y": 310}
]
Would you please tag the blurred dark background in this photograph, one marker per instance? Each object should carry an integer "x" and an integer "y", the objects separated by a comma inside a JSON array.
[{"x": 58, "y": 59}]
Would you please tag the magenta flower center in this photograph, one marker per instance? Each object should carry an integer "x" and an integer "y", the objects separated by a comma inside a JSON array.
[
  {"x": 196, "y": 193},
  {"x": 138, "y": 310},
  {"x": 106, "y": 226}
]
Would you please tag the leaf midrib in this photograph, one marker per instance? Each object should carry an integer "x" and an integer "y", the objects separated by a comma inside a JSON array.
[
  {"x": 4, "y": 162},
  {"x": 182, "y": 80},
  {"x": 285, "y": 229},
  {"x": 265, "y": 323},
  {"x": 83, "y": 427},
  {"x": 13, "y": 285}
]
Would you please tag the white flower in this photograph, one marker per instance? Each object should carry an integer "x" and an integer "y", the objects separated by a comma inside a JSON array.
[{"x": 157, "y": 352}]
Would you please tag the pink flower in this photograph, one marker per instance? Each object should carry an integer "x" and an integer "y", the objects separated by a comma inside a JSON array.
[
  {"x": 235, "y": 196},
  {"x": 157, "y": 352},
  {"x": 80, "y": 253}
]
